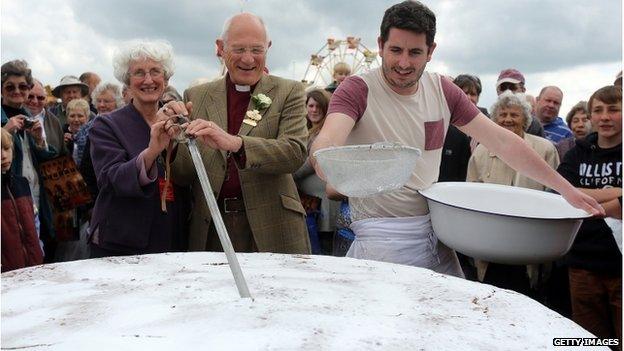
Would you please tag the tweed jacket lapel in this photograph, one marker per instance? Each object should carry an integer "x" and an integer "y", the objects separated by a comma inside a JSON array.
[
  {"x": 264, "y": 86},
  {"x": 214, "y": 105}
]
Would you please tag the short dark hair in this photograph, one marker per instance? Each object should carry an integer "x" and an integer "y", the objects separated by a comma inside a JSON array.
[
  {"x": 610, "y": 94},
  {"x": 17, "y": 68},
  {"x": 412, "y": 16},
  {"x": 469, "y": 83}
]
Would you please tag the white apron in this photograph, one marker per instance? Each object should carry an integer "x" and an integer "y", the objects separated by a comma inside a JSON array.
[{"x": 404, "y": 240}]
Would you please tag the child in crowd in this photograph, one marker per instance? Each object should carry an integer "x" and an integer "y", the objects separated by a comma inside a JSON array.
[
  {"x": 595, "y": 263},
  {"x": 341, "y": 71},
  {"x": 20, "y": 244}
]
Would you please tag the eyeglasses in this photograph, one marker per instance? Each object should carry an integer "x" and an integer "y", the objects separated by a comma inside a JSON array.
[
  {"x": 254, "y": 50},
  {"x": 508, "y": 86},
  {"x": 40, "y": 98},
  {"x": 154, "y": 73},
  {"x": 21, "y": 87}
]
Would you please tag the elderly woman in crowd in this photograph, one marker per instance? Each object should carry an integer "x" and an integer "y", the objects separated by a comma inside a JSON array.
[
  {"x": 77, "y": 114},
  {"x": 512, "y": 112},
  {"x": 29, "y": 146},
  {"x": 321, "y": 216},
  {"x": 579, "y": 124},
  {"x": 137, "y": 211},
  {"x": 107, "y": 98}
]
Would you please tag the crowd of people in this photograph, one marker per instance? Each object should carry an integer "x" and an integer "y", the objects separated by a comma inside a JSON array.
[{"x": 129, "y": 187}]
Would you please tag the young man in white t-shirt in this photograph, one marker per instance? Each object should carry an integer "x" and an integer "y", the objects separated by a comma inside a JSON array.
[{"x": 400, "y": 102}]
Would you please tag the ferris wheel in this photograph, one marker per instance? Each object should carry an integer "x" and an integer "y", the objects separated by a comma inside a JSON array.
[{"x": 351, "y": 51}]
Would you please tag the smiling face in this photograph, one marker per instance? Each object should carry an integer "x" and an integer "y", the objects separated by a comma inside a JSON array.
[
  {"x": 244, "y": 49},
  {"x": 36, "y": 99},
  {"x": 404, "y": 57},
  {"x": 579, "y": 124},
  {"x": 15, "y": 91},
  {"x": 606, "y": 119},
  {"x": 511, "y": 118},
  {"x": 147, "y": 81}
]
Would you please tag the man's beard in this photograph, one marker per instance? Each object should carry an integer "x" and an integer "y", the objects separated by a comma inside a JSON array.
[{"x": 401, "y": 85}]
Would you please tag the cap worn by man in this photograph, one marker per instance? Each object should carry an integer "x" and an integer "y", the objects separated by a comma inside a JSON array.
[{"x": 512, "y": 76}]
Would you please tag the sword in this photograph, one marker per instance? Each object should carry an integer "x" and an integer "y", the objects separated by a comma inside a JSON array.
[{"x": 241, "y": 284}]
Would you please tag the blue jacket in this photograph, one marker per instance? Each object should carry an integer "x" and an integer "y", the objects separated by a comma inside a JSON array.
[{"x": 557, "y": 130}]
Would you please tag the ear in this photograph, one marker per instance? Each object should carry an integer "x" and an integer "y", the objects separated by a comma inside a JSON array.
[
  {"x": 219, "y": 44},
  {"x": 430, "y": 52},
  {"x": 270, "y": 42},
  {"x": 380, "y": 45}
]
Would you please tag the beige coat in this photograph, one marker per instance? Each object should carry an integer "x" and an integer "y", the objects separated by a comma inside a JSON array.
[
  {"x": 274, "y": 149},
  {"x": 485, "y": 167}
]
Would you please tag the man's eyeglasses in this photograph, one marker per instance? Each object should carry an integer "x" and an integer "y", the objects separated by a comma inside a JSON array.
[
  {"x": 508, "y": 86},
  {"x": 40, "y": 98},
  {"x": 254, "y": 50},
  {"x": 21, "y": 87},
  {"x": 154, "y": 73}
]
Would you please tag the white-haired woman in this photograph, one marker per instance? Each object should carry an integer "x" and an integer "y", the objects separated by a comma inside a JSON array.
[
  {"x": 127, "y": 151},
  {"x": 107, "y": 97},
  {"x": 513, "y": 112}
]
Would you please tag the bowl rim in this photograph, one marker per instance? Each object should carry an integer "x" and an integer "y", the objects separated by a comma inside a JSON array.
[
  {"x": 379, "y": 146},
  {"x": 429, "y": 198}
]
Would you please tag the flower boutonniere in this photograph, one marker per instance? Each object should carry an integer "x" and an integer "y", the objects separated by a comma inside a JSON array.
[
  {"x": 252, "y": 117},
  {"x": 261, "y": 101}
]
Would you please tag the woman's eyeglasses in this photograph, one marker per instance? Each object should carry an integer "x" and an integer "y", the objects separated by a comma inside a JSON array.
[
  {"x": 21, "y": 87},
  {"x": 40, "y": 98},
  {"x": 154, "y": 73}
]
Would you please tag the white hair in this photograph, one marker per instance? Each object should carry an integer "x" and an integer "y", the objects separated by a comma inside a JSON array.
[
  {"x": 113, "y": 88},
  {"x": 160, "y": 51},
  {"x": 510, "y": 99},
  {"x": 228, "y": 24}
]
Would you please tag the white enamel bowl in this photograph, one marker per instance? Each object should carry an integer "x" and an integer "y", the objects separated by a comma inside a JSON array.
[
  {"x": 503, "y": 224},
  {"x": 367, "y": 170}
]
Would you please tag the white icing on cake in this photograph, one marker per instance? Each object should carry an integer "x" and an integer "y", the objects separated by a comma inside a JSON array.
[{"x": 188, "y": 301}]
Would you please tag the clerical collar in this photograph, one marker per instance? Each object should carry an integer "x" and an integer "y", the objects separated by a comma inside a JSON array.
[
  {"x": 242, "y": 88},
  {"x": 238, "y": 88}
]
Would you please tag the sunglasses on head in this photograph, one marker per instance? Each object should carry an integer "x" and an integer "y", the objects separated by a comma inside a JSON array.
[
  {"x": 21, "y": 87},
  {"x": 40, "y": 98},
  {"x": 508, "y": 86}
]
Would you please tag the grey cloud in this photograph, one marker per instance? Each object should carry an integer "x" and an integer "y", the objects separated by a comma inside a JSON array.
[
  {"x": 480, "y": 36},
  {"x": 476, "y": 36}
]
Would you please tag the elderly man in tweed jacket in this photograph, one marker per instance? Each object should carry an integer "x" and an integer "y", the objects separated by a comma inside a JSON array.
[{"x": 252, "y": 132}]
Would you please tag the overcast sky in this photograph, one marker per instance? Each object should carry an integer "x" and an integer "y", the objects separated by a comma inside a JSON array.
[{"x": 575, "y": 44}]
